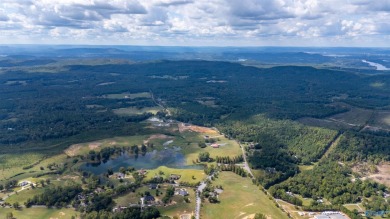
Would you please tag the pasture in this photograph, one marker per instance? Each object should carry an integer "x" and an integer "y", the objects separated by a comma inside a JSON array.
[
  {"x": 240, "y": 199},
  {"x": 41, "y": 213}
]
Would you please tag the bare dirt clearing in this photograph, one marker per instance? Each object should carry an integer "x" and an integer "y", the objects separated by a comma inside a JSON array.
[
  {"x": 157, "y": 136},
  {"x": 383, "y": 174},
  {"x": 186, "y": 127},
  {"x": 379, "y": 173},
  {"x": 72, "y": 150}
]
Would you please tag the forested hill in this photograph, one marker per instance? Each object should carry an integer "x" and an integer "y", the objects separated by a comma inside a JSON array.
[{"x": 37, "y": 106}]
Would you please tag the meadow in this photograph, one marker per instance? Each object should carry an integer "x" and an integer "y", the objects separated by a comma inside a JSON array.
[{"x": 241, "y": 198}]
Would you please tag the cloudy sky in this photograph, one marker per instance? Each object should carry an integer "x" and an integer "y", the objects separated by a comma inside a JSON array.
[{"x": 197, "y": 22}]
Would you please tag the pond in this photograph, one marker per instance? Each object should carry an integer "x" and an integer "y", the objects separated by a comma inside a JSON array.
[{"x": 170, "y": 157}]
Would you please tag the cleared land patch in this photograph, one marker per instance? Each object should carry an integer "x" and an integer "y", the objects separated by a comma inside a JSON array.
[
  {"x": 127, "y": 95},
  {"x": 240, "y": 199},
  {"x": 378, "y": 173},
  {"x": 131, "y": 111}
]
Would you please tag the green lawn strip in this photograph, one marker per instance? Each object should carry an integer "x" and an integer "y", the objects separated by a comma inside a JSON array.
[{"x": 40, "y": 212}]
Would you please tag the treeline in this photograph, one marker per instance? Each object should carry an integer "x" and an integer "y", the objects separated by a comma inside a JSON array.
[
  {"x": 235, "y": 169},
  {"x": 329, "y": 180},
  {"x": 357, "y": 146},
  {"x": 228, "y": 160},
  {"x": 282, "y": 194},
  {"x": 8, "y": 185},
  {"x": 125, "y": 213},
  {"x": 305, "y": 143},
  {"x": 59, "y": 196},
  {"x": 105, "y": 153}
]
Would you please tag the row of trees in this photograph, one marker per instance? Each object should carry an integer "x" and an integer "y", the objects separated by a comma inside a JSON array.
[
  {"x": 228, "y": 160},
  {"x": 235, "y": 169},
  {"x": 131, "y": 212}
]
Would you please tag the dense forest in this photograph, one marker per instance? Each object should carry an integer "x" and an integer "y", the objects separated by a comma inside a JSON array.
[{"x": 38, "y": 107}]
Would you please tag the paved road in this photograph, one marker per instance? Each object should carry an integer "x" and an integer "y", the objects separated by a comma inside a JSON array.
[
  {"x": 246, "y": 166},
  {"x": 199, "y": 190}
]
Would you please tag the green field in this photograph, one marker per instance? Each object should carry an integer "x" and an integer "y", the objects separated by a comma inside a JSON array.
[
  {"x": 240, "y": 199},
  {"x": 40, "y": 213},
  {"x": 186, "y": 174}
]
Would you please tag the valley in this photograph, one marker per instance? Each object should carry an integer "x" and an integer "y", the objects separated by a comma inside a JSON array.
[{"x": 122, "y": 138}]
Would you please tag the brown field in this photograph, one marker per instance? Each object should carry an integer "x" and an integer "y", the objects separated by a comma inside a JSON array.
[
  {"x": 379, "y": 173},
  {"x": 383, "y": 174}
]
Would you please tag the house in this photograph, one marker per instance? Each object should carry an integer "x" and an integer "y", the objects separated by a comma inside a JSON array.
[
  {"x": 153, "y": 186},
  {"x": 215, "y": 145},
  {"x": 120, "y": 176},
  {"x": 270, "y": 169},
  {"x": 174, "y": 177},
  {"x": 149, "y": 199},
  {"x": 182, "y": 192},
  {"x": 142, "y": 172},
  {"x": 24, "y": 183},
  {"x": 290, "y": 194},
  {"x": 118, "y": 209}
]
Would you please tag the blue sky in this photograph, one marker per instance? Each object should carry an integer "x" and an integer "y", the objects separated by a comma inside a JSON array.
[{"x": 197, "y": 22}]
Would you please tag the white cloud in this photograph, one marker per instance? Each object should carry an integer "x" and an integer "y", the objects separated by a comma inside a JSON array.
[{"x": 196, "y": 22}]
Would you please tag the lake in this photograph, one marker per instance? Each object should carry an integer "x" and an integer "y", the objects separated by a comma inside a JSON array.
[{"x": 170, "y": 157}]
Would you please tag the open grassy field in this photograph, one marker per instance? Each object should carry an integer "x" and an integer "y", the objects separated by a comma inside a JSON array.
[
  {"x": 134, "y": 197},
  {"x": 84, "y": 148},
  {"x": 131, "y": 111},
  {"x": 295, "y": 213},
  {"x": 186, "y": 174},
  {"x": 180, "y": 207},
  {"x": 128, "y": 95},
  {"x": 22, "y": 196},
  {"x": 40, "y": 212},
  {"x": 240, "y": 199}
]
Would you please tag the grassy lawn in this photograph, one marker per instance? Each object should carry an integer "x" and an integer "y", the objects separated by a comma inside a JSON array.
[
  {"x": 305, "y": 167},
  {"x": 180, "y": 207},
  {"x": 240, "y": 199},
  {"x": 352, "y": 207},
  {"x": 22, "y": 196},
  {"x": 186, "y": 174},
  {"x": 41, "y": 213},
  {"x": 293, "y": 211},
  {"x": 133, "y": 197}
]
